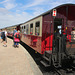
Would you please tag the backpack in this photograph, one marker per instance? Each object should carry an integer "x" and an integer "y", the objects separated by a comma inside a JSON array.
[
  {"x": 14, "y": 32},
  {"x": 17, "y": 36},
  {"x": 3, "y": 34}
]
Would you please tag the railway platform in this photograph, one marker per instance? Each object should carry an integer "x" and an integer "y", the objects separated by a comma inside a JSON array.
[{"x": 16, "y": 61}]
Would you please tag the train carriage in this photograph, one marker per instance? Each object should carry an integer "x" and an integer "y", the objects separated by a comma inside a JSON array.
[
  {"x": 32, "y": 33},
  {"x": 11, "y": 29},
  {"x": 50, "y": 36},
  {"x": 40, "y": 33}
]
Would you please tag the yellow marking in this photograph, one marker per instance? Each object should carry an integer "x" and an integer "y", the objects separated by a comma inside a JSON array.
[
  {"x": 66, "y": 28},
  {"x": 35, "y": 51}
]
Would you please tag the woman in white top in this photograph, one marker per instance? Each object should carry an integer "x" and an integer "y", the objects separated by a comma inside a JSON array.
[
  {"x": 73, "y": 35},
  {"x": 6, "y": 35}
]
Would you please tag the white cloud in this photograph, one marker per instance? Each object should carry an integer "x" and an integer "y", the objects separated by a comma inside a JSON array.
[
  {"x": 4, "y": 1},
  {"x": 33, "y": 3},
  {"x": 36, "y": 2},
  {"x": 4, "y": 11},
  {"x": 13, "y": 18},
  {"x": 27, "y": 11},
  {"x": 37, "y": 11},
  {"x": 9, "y": 4}
]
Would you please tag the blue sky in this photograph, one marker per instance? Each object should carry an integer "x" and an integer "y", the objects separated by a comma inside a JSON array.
[{"x": 14, "y": 12}]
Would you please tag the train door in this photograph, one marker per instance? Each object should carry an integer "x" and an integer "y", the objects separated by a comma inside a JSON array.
[
  {"x": 57, "y": 30},
  {"x": 58, "y": 22},
  {"x": 57, "y": 26}
]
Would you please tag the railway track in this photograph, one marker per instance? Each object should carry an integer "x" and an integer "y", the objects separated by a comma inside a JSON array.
[
  {"x": 50, "y": 70},
  {"x": 61, "y": 71}
]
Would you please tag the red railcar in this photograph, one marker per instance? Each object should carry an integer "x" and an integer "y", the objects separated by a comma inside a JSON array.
[
  {"x": 41, "y": 34},
  {"x": 47, "y": 25}
]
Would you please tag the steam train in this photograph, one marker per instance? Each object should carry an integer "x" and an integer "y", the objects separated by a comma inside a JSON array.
[{"x": 44, "y": 34}]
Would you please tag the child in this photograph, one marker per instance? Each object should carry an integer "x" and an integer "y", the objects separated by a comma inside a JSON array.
[{"x": 17, "y": 39}]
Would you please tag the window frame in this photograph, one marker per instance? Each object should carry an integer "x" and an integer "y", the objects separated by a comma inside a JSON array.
[
  {"x": 27, "y": 29},
  {"x": 24, "y": 27},
  {"x": 37, "y": 26},
  {"x": 30, "y": 28}
]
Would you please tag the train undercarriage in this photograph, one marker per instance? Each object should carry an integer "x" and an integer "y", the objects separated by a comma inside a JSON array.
[{"x": 60, "y": 56}]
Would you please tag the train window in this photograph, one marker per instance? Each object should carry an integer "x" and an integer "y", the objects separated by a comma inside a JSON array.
[
  {"x": 37, "y": 28},
  {"x": 24, "y": 27},
  {"x": 24, "y": 30},
  {"x": 31, "y": 28},
  {"x": 27, "y": 29},
  {"x": 20, "y": 29}
]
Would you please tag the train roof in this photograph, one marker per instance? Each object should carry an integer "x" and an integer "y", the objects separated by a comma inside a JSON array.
[
  {"x": 58, "y": 7},
  {"x": 14, "y": 25},
  {"x": 50, "y": 11}
]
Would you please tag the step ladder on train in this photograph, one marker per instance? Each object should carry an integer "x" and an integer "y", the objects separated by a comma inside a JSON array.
[{"x": 46, "y": 59}]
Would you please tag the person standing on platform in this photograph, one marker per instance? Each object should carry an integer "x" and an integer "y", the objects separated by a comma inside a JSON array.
[
  {"x": 1, "y": 36},
  {"x": 4, "y": 38},
  {"x": 6, "y": 35},
  {"x": 14, "y": 31},
  {"x": 73, "y": 35},
  {"x": 17, "y": 39}
]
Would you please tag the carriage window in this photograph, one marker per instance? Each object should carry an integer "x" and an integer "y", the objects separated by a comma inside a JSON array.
[
  {"x": 27, "y": 29},
  {"x": 37, "y": 28},
  {"x": 31, "y": 28},
  {"x": 22, "y": 29}
]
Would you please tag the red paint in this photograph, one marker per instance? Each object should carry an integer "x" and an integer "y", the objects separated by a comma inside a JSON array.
[
  {"x": 35, "y": 40},
  {"x": 46, "y": 35},
  {"x": 45, "y": 42}
]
